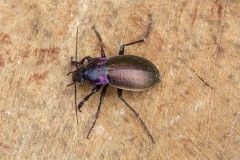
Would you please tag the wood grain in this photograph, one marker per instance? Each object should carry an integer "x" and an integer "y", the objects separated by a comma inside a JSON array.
[{"x": 193, "y": 113}]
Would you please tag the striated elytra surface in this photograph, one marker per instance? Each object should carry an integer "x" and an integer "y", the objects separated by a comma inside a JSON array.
[{"x": 133, "y": 73}]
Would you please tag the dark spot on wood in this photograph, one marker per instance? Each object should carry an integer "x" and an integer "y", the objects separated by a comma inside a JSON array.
[
  {"x": 195, "y": 45},
  {"x": 108, "y": 23},
  {"x": 35, "y": 25},
  {"x": 184, "y": 4},
  {"x": 230, "y": 76},
  {"x": 220, "y": 8},
  {"x": 38, "y": 76},
  {"x": 115, "y": 12},
  {"x": 22, "y": 115},
  {"x": 25, "y": 55},
  {"x": 161, "y": 107},
  {"x": 5, "y": 146},
  {"x": 126, "y": 119},
  {"x": 219, "y": 51},
  {"x": 5, "y": 38},
  {"x": 48, "y": 33},
  {"x": 10, "y": 60},
  {"x": 235, "y": 114},
  {"x": 46, "y": 54},
  {"x": 212, "y": 10},
  {"x": 102, "y": 156},
  {"x": 1, "y": 61}
]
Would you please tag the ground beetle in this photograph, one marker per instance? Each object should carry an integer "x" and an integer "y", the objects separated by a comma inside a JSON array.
[{"x": 124, "y": 72}]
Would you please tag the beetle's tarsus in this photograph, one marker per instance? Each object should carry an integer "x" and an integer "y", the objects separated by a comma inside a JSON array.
[
  {"x": 80, "y": 106},
  {"x": 69, "y": 73},
  {"x": 70, "y": 84}
]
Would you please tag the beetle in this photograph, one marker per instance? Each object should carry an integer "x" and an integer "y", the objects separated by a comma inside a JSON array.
[{"x": 124, "y": 72}]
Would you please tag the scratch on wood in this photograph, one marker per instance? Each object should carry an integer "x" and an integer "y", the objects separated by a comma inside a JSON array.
[
  {"x": 195, "y": 14},
  {"x": 199, "y": 148},
  {"x": 232, "y": 127},
  {"x": 199, "y": 77},
  {"x": 185, "y": 98},
  {"x": 207, "y": 141},
  {"x": 220, "y": 151}
]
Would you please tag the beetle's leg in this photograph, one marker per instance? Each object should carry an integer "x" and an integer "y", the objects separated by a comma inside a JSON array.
[
  {"x": 99, "y": 106},
  {"x": 94, "y": 90},
  {"x": 102, "y": 53},
  {"x": 100, "y": 40},
  {"x": 121, "y": 50},
  {"x": 88, "y": 58},
  {"x": 136, "y": 114}
]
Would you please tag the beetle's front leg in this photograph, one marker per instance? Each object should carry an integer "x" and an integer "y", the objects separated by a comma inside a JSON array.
[
  {"x": 94, "y": 90},
  {"x": 88, "y": 58}
]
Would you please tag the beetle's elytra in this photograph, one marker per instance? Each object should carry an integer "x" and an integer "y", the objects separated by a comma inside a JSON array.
[{"x": 124, "y": 72}]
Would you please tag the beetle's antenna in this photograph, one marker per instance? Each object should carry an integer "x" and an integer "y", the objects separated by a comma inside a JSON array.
[
  {"x": 75, "y": 85},
  {"x": 76, "y": 48}
]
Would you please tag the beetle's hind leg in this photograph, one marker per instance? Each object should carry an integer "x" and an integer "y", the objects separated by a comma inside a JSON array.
[
  {"x": 135, "y": 113},
  {"x": 100, "y": 40},
  {"x": 99, "y": 107},
  {"x": 121, "y": 50}
]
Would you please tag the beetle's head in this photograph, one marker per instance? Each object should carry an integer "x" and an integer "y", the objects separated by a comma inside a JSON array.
[{"x": 77, "y": 75}]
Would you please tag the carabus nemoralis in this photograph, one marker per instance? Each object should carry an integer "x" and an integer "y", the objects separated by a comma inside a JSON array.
[{"x": 124, "y": 72}]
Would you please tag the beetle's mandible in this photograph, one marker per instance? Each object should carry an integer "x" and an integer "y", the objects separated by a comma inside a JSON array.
[{"x": 124, "y": 72}]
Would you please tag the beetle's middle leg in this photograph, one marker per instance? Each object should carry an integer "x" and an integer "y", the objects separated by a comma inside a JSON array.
[
  {"x": 94, "y": 90},
  {"x": 100, "y": 40},
  {"x": 99, "y": 107},
  {"x": 135, "y": 113},
  {"x": 121, "y": 50}
]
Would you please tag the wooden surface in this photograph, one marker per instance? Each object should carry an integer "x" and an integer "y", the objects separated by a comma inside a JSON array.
[{"x": 193, "y": 113}]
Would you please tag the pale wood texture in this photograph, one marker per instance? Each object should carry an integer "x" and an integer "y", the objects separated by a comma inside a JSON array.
[{"x": 193, "y": 113}]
